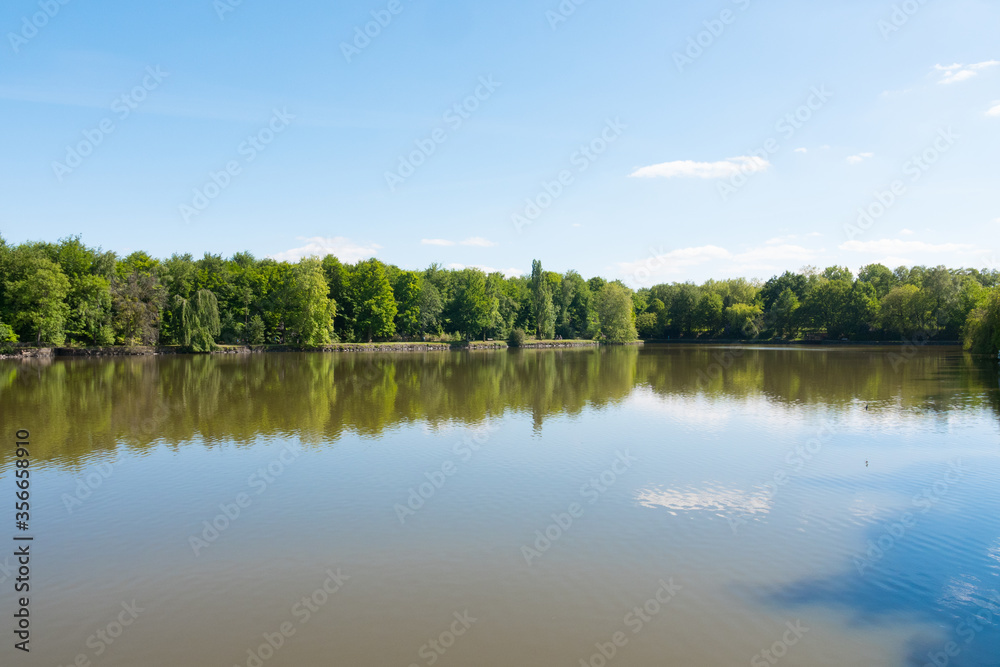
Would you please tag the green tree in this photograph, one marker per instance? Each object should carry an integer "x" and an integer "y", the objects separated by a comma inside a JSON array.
[
  {"x": 137, "y": 301},
  {"x": 741, "y": 319},
  {"x": 982, "y": 327},
  {"x": 255, "y": 331},
  {"x": 784, "y": 313},
  {"x": 374, "y": 303},
  {"x": 861, "y": 312},
  {"x": 647, "y": 326},
  {"x": 406, "y": 287},
  {"x": 430, "y": 308},
  {"x": 472, "y": 308},
  {"x": 90, "y": 309},
  {"x": 37, "y": 298},
  {"x": 313, "y": 310},
  {"x": 904, "y": 311},
  {"x": 7, "y": 338},
  {"x": 880, "y": 277},
  {"x": 198, "y": 320},
  {"x": 796, "y": 282},
  {"x": 616, "y": 313},
  {"x": 708, "y": 313},
  {"x": 542, "y": 306},
  {"x": 682, "y": 308}
]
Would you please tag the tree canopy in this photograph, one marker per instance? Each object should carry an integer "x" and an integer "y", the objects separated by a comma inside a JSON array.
[{"x": 68, "y": 293}]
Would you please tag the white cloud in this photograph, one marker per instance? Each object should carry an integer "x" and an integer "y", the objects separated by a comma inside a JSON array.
[
  {"x": 774, "y": 254},
  {"x": 690, "y": 169},
  {"x": 671, "y": 263},
  {"x": 479, "y": 242},
  {"x": 344, "y": 249},
  {"x": 860, "y": 157},
  {"x": 472, "y": 241},
  {"x": 959, "y": 72},
  {"x": 898, "y": 246},
  {"x": 801, "y": 150},
  {"x": 764, "y": 258},
  {"x": 906, "y": 232},
  {"x": 995, "y": 109}
]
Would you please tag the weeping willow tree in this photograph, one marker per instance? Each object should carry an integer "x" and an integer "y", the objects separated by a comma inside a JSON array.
[{"x": 198, "y": 318}]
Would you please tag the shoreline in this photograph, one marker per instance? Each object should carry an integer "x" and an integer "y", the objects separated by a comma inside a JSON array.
[
  {"x": 827, "y": 342},
  {"x": 159, "y": 350}
]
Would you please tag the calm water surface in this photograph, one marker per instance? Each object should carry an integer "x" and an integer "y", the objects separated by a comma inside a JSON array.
[{"x": 696, "y": 505}]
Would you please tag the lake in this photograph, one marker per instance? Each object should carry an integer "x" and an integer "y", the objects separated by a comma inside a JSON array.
[{"x": 665, "y": 505}]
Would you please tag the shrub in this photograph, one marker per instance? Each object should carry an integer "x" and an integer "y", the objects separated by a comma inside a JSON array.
[{"x": 516, "y": 338}]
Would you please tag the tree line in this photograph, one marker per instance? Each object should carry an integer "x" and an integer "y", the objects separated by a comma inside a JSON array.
[{"x": 66, "y": 293}]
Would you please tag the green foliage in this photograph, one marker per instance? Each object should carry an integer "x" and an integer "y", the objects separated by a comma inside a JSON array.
[
  {"x": 406, "y": 288},
  {"x": 198, "y": 319},
  {"x": 879, "y": 277},
  {"x": 138, "y": 300},
  {"x": 255, "y": 331},
  {"x": 374, "y": 303},
  {"x": 741, "y": 319},
  {"x": 431, "y": 307},
  {"x": 616, "y": 314},
  {"x": 66, "y": 291},
  {"x": 708, "y": 312},
  {"x": 7, "y": 338},
  {"x": 905, "y": 312},
  {"x": 312, "y": 310},
  {"x": 647, "y": 325},
  {"x": 982, "y": 327},
  {"x": 542, "y": 307},
  {"x": 36, "y": 294},
  {"x": 471, "y": 309},
  {"x": 784, "y": 313},
  {"x": 516, "y": 337}
]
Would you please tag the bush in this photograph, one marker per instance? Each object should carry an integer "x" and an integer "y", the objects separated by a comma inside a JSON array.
[
  {"x": 7, "y": 338},
  {"x": 516, "y": 338}
]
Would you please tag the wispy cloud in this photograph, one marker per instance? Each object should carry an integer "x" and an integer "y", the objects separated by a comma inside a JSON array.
[
  {"x": 318, "y": 246},
  {"x": 859, "y": 158},
  {"x": 774, "y": 254},
  {"x": 477, "y": 241},
  {"x": 690, "y": 169},
  {"x": 801, "y": 150},
  {"x": 995, "y": 109},
  {"x": 959, "y": 72}
]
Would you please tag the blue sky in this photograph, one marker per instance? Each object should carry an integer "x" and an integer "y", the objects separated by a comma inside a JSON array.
[{"x": 649, "y": 141}]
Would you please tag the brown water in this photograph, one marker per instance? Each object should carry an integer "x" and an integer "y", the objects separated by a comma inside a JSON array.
[{"x": 696, "y": 505}]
